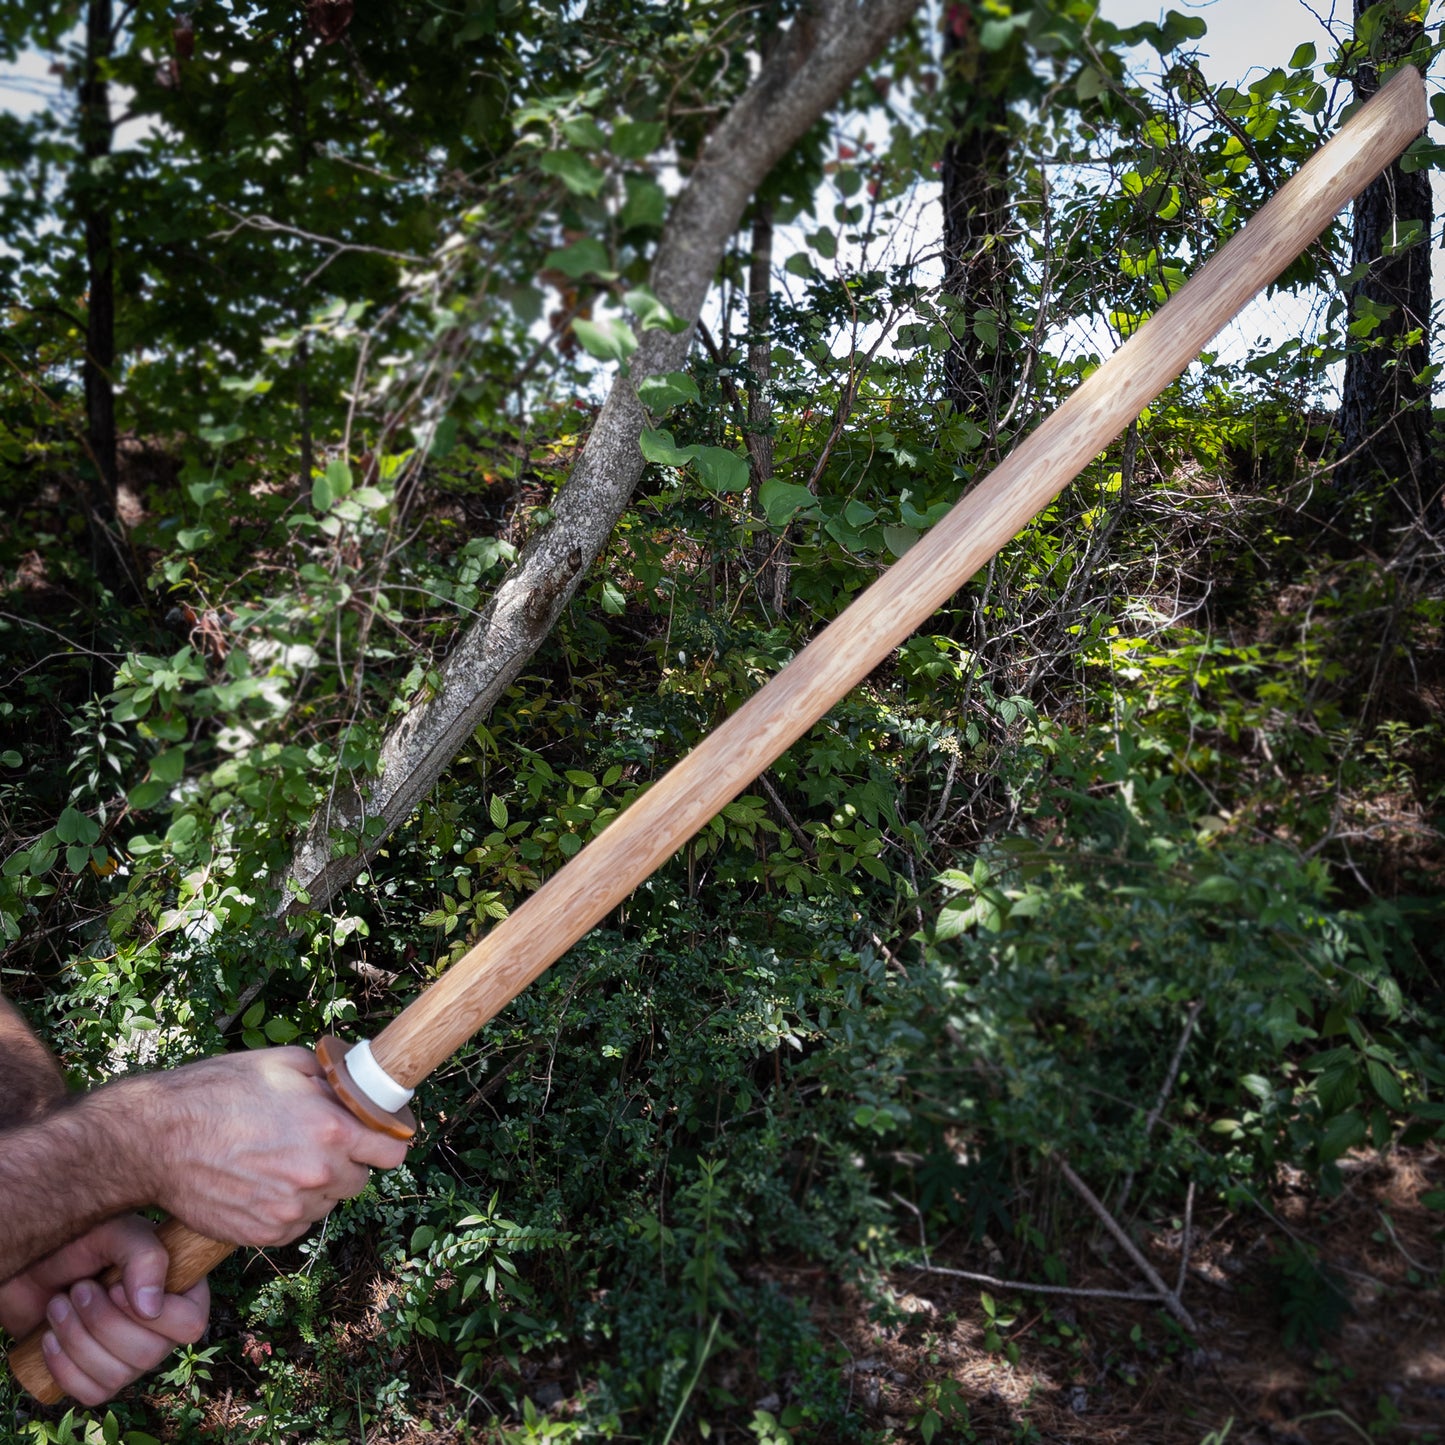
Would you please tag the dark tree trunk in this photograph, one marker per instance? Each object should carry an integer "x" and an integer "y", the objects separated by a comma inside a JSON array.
[
  {"x": 1385, "y": 417},
  {"x": 109, "y": 554},
  {"x": 772, "y": 580},
  {"x": 978, "y": 372}
]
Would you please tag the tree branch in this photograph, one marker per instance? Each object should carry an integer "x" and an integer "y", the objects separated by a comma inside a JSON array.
[{"x": 808, "y": 70}]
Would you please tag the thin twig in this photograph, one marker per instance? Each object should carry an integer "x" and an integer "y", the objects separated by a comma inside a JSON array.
[
  {"x": 1186, "y": 1242},
  {"x": 801, "y": 838},
  {"x": 1077, "y": 1292},
  {"x": 1165, "y": 1089},
  {"x": 1165, "y": 1295}
]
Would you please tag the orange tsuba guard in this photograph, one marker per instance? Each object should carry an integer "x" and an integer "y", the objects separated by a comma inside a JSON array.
[{"x": 332, "y": 1052}]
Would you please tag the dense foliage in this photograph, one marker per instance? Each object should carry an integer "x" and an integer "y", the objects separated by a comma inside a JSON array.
[{"x": 1129, "y": 861}]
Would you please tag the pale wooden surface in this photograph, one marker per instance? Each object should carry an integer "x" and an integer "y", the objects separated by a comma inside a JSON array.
[{"x": 599, "y": 877}]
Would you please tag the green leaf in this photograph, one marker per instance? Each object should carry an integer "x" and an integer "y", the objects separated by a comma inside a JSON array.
[
  {"x": 10, "y": 759},
  {"x": 1385, "y": 1084},
  {"x": 497, "y": 811},
  {"x": 659, "y": 447},
  {"x": 75, "y": 827},
  {"x": 585, "y": 132},
  {"x": 1303, "y": 57},
  {"x": 76, "y": 857},
  {"x": 782, "y": 501},
  {"x": 632, "y": 140},
  {"x": 1341, "y": 1134},
  {"x": 669, "y": 389},
  {"x": 281, "y": 1031},
  {"x": 607, "y": 340},
  {"x": 147, "y": 795},
  {"x": 587, "y": 257},
  {"x": 721, "y": 470},
  {"x": 899, "y": 539},
  {"x": 825, "y": 242},
  {"x": 443, "y": 439},
  {"x": 646, "y": 203},
  {"x": 614, "y": 600},
  {"x": 579, "y": 175},
  {"x": 652, "y": 313},
  {"x": 169, "y": 765},
  {"x": 800, "y": 263}
]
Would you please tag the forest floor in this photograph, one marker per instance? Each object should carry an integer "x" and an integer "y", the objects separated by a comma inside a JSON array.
[
  {"x": 1109, "y": 1372},
  {"x": 930, "y": 1365}
]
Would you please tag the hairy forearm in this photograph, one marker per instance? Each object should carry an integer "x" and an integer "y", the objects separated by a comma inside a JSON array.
[
  {"x": 31, "y": 1084},
  {"x": 78, "y": 1165}
]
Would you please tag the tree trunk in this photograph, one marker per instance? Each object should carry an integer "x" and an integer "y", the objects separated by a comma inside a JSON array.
[
  {"x": 108, "y": 555},
  {"x": 978, "y": 373},
  {"x": 809, "y": 68},
  {"x": 1385, "y": 417},
  {"x": 772, "y": 574}
]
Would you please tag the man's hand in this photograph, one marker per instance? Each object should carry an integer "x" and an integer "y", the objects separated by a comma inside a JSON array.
[
  {"x": 255, "y": 1147},
  {"x": 99, "y": 1340}
]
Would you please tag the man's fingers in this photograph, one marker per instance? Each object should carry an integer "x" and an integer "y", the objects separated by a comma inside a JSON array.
[
  {"x": 144, "y": 1262},
  {"x": 105, "y": 1346},
  {"x": 183, "y": 1317},
  {"x": 72, "y": 1380},
  {"x": 378, "y": 1150}
]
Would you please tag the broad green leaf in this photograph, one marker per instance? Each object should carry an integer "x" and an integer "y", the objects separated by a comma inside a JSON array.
[
  {"x": 721, "y": 470},
  {"x": 669, "y": 389},
  {"x": 646, "y": 203},
  {"x": 75, "y": 827},
  {"x": 659, "y": 447},
  {"x": 443, "y": 439},
  {"x": 168, "y": 766},
  {"x": 614, "y": 600},
  {"x": 583, "y": 131},
  {"x": 607, "y": 340},
  {"x": 782, "y": 501},
  {"x": 1385, "y": 1084},
  {"x": 579, "y": 175},
  {"x": 825, "y": 242},
  {"x": 587, "y": 257},
  {"x": 338, "y": 474},
  {"x": 497, "y": 811},
  {"x": 147, "y": 795},
  {"x": 1303, "y": 57},
  {"x": 1341, "y": 1134},
  {"x": 899, "y": 539},
  {"x": 634, "y": 140},
  {"x": 652, "y": 313}
]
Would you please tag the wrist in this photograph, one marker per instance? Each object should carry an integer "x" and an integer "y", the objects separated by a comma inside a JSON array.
[{"x": 140, "y": 1123}]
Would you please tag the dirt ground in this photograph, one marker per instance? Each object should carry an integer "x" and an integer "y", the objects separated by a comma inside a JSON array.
[{"x": 1112, "y": 1371}]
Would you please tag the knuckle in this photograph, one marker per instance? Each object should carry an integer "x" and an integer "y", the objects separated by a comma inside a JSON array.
[{"x": 333, "y": 1130}]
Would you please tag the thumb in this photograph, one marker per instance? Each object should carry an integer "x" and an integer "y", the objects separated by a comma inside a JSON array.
[{"x": 143, "y": 1263}]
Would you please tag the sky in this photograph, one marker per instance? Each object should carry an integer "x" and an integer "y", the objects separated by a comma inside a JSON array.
[{"x": 1246, "y": 37}]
